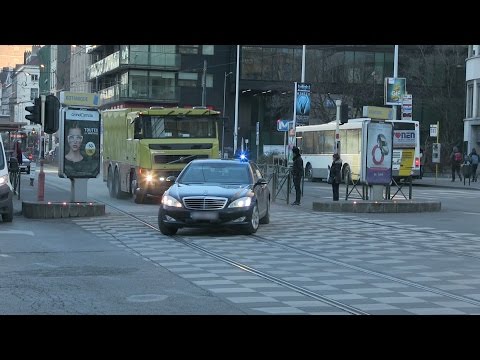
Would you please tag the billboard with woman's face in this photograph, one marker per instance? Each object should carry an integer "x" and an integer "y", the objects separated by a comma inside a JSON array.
[{"x": 81, "y": 158}]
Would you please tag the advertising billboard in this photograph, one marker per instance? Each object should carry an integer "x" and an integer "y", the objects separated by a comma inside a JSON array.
[
  {"x": 395, "y": 90},
  {"x": 378, "y": 152},
  {"x": 302, "y": 106},
  {"x": 81, "y": 148}
]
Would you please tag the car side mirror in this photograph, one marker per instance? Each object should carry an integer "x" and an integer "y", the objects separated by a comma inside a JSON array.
[
  {"x": 171, "y": 178},
  {"x": 261, "y": 182}
]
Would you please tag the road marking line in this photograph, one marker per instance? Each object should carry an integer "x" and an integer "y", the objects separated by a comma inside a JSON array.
[{"x": 19, "y": 232}]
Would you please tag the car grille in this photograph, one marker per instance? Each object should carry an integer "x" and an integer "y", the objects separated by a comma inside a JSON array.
[{"x": 204, "y": 202}]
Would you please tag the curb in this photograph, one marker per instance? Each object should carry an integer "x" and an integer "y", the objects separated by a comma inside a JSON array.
[
  {"x": 55, "y": 210},
  {"x": 370, "y": 206}
]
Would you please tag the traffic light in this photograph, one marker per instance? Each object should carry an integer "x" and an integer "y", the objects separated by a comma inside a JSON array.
[
  {"x": 343, "y": 113},
  {"x": 35, "y": 111},
  {"x": 52, "y": 107}
]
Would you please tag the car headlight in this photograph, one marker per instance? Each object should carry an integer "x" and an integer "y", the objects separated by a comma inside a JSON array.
[
  {"x": 241, "y": 202},
  {"x": 168, "y": 200}
]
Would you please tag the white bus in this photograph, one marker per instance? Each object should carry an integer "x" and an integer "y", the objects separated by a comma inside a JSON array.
[{"x": 317, "y": 143}]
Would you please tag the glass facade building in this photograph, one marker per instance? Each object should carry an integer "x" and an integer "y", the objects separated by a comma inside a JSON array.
[{"x": 187, "y": 75}]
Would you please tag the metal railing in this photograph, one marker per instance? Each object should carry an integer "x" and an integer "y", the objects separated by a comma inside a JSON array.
[{"x": 280, "y": 181}]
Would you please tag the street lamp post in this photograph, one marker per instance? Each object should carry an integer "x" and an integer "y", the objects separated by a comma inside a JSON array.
[{"x": 224, "y": 93}]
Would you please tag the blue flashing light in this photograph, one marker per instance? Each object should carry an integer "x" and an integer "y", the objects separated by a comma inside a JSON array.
[{"x": 243, "y": 157}]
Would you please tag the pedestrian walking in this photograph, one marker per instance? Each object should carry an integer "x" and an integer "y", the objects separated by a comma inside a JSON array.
[
  {"x": 474, "y": 158},
  {"x": 335, "y": 176},
  {"x": 18, "y": 152},
  {"x": 456, "y": 160},
  {"x": 297, "y": 174}
]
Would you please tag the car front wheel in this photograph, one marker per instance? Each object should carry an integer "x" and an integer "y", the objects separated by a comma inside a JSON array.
[
  {"x": 253, "y": 221},
  {"x": 164, "y": 228}
]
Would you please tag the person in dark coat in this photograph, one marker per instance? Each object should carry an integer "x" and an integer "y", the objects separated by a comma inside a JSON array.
[
  {"x": 297, "y": 173},
  {"x": 336, "y": 176},
  {"x": 18, "y": 152}
]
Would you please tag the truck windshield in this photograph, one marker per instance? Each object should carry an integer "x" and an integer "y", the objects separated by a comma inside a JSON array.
[{"x": 158, "y": 127}]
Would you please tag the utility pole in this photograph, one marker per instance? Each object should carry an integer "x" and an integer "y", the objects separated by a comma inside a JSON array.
[
  {"x": 395, "y": 75},
  {"x": 204, "y": 84},
  {"x": 237, "y": 84},
  {"x": 41, "y": 154},
  {"x": 337, "y": 128},
  {"x": 223, "y": 113}
]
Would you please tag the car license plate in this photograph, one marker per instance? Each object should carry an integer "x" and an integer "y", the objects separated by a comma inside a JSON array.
[{"x": 204, "y": 215}]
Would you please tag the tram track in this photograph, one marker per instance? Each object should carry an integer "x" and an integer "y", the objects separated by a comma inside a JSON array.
[{"x": 302, "y": 290}]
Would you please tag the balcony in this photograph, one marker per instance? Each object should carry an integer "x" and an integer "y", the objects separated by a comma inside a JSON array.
[
  {"x": 134, "y": 59},
  {"x": 157, "y": 94}
]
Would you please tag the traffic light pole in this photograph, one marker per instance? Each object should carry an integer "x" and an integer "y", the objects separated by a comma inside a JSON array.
[{"x": 41, "y": 174}]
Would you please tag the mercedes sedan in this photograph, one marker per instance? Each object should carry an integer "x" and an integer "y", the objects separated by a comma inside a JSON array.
[{"x": 216, "y": 192}]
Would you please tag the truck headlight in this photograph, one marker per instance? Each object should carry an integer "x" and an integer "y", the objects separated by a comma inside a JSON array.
[
  {"x": 241, "y": 202},
  {"x": 149, "y": 178}
]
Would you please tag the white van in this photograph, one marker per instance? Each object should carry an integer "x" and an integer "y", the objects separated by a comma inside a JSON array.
[{"x": 6, "y": 190}]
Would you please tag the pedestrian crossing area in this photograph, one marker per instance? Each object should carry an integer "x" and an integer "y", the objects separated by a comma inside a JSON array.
[{"x": 332, "y": 248}]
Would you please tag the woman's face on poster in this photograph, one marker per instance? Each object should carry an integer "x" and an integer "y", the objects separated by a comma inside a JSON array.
[{"x": 75, "y": 139}]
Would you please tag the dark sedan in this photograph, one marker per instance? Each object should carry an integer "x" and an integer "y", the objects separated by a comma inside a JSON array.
[{"x": 216, "y": 192}]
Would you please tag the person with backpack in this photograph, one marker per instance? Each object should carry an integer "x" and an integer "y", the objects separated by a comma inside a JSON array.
[
  {"x": 456, "y": 160},
  {"x": 474, "y": 158}
]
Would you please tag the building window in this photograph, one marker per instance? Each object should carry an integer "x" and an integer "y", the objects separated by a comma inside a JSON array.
[
  {"x": 469, "y": 100},
  {"x": 208, "y": 50},
  {"x": 478, "y": 99},
  {"x": 138, "y": 84},
  {"x": 34, "y": 77},
  {"x": 33, "y": 93},
  {"x": 162, "y": 85},
  {"x": 188, "y": 49},
  {"x": 187, "y": 79},
  {"x": 209, "y": 81}
]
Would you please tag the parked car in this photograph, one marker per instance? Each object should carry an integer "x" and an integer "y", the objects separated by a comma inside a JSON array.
[
  {"x": 25, "y": 166},
  {"x": 216, "y": 192}
]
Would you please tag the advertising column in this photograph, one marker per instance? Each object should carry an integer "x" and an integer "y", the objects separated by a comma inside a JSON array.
[
  {"x": 81, "y": 150},
  {"x": 379, "y": 153}
]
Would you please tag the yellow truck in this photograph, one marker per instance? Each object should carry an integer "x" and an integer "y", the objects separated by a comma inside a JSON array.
[{"x": 142, "y": 147}]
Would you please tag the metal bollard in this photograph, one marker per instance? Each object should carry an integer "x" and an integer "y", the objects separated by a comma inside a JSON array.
[
  {"x": 41, "y": 183},
  {"x": 33, "y": 167}
]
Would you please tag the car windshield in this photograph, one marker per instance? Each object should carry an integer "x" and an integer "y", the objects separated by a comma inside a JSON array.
[{"x": 221, "y": 173}]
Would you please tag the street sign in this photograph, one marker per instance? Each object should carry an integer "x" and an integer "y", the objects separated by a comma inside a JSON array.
[
  {"x": 407, "y": 107},
  {"x": 433, "y": 130},
  {"x": 282, "y": 125}
]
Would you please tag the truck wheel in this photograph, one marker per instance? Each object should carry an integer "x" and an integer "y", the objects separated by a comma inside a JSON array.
[
  {"x": 139, "y": 197},
  {"x": 116, "y": 182},
  {"x": 110, "y": 184}
]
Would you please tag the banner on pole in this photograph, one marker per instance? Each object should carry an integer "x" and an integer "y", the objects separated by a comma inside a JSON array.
[{"x": 303, "y": 104}]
